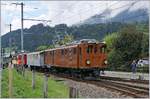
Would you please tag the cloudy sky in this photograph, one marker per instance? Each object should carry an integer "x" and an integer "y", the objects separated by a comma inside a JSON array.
[{"x": 69, "y": 12}]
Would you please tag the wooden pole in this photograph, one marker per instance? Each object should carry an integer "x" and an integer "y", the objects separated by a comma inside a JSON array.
[
  {"x": 10, "y": 80},
  {"x": 33, "y": 79},
  {"x": 70, "y": 92},
  {"x": 73, "y": 92},
  {"x": 45, "y": 92},
  {"x": 23, "y": 70},
  {"x": 77, "y": 93}
]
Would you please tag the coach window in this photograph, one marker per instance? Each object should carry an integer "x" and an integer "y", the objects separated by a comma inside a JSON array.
[
  {"x": 95, "y": 49},
  {"x": 88, "y": 50},
  {"x": 51, "y": 53},
  {"x": 100, "y": 49},
  {"x": 74, "y": 50},
  {"x": 91, "y": 48},
  {"x": 65, "y": 51},
  {"x": 62, "y": 52},
  {"x": 80, "y": 51}
]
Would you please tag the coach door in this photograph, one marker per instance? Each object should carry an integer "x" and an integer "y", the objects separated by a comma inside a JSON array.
[
  {"x": 89, "y": 55},
  {"x": 53, "y": 57},
  {"x": 80, "y": 56}
]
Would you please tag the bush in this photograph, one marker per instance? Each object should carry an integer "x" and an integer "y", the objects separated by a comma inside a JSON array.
[{"x": 125, "y": 46}]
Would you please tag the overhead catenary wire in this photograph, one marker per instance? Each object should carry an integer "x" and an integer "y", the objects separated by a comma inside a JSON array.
[
  {"x": 118, "y": 8},
  {"x": 109, "y": 7},
  {"x": 37, "y": 20}
]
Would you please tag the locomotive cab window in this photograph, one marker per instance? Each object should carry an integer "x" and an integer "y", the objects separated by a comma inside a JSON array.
[
  {"x": 103, "y": 49},
  {"x": 80, "y": 51},
  {"x": 95, "y": 49},
  {"x": 89, "y": 49}
]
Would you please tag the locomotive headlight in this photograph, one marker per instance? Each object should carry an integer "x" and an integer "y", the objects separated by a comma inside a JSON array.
[
  {"x": 105, "y": 62},
  {"x": 88, "y": 62}
]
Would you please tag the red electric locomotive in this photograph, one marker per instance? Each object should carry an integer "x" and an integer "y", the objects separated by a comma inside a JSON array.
[{"x": 22, "y": 61}]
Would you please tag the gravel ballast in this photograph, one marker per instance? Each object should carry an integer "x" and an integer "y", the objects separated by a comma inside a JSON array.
[{"x": 86, "y": 90}]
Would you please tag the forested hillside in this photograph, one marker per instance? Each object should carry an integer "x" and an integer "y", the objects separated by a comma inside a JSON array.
[{"x": 39, "y": 35}]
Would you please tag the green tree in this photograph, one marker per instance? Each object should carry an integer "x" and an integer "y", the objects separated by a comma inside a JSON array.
[
  {"x": 114, "y": 59},
  {"x": 110, "y": 39},
  {"x": 126, "y": 45},
  {"x": 44, "y": 47},
  {"x": 67, "y": 39},
  {"x": 145, "y": 45}
]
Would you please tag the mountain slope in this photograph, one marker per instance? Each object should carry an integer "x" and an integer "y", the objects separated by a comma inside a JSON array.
[
  {"x": 39, "y": 34},
  {"x": 132, "y": 13}
]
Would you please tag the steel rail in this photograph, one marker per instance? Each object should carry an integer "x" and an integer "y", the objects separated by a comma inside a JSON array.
[{"x": 125, "y": 80}]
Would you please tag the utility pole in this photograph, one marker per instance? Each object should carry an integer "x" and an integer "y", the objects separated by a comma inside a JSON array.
[
  {"x": 10, "y": 68},
  {"x": 22, "y": 46},
  {"x": 10, "y": 38},
  {"x": 45, "y": 86},
  {"x": 22, "y": 49},
  {"x": 22, "y": 19},
  {"x": 10, "y": 27},
  {"x": 21, "y": 4},
  {"x": 22, "y": 34}
]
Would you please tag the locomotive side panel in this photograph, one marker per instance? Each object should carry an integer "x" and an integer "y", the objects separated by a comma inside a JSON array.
[
  {"x": 74, "y": 57},
  {"x": 81, "y": 56},
  {"x": 57, "y": 58},
  {"x": 84, "y": 55},
  {"x": 62, "y": 57},
  {"x": 49, "y": 57},
  {"x": 103, "y": 56},
  {"x": 71, "y": 57},
  {"x": 65, "y": 58}
]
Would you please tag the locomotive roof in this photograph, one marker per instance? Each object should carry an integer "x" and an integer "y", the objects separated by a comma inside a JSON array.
[
  {"x": 61, "y": 47},
  {"x": 38, "y": 52},
  {"x": 73, "y": 45}
]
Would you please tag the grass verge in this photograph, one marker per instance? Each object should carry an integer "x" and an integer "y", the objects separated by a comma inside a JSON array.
[{"x": 22, "y": 86}]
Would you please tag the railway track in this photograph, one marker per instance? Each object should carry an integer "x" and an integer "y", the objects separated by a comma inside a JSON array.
[
  {"x": 115, "y": 84},
  {"x": 129, "y": 85},
  {"x": 125, "y": 80},
  {"x": 133, "y": 91}
]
